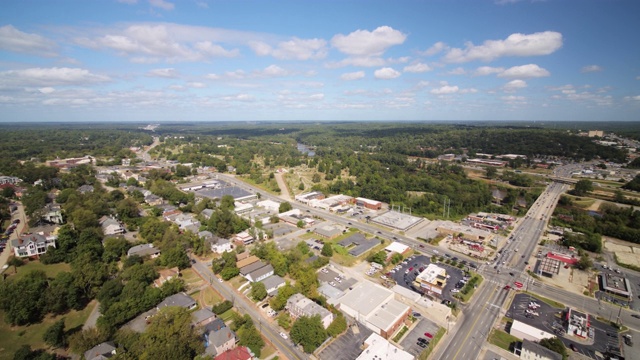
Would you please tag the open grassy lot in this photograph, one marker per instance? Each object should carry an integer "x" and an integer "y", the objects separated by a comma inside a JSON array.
[
  {"x": 51, "y": 270},
  {"x": 502, "y": 339},
  {"x": 191, "y": 279},
  {"x": 207, "y": 297},
  {"x": 13, "y": 337}
]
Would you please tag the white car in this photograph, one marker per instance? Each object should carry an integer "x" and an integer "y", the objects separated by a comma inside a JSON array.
[
  {"x": 383, "y": 277},
  {"x": 455, "y": 291},
  {"x": 220, "y": 280},
  {"x": 283, "y": 335}
]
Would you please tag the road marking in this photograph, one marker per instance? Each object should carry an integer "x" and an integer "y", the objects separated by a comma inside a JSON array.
[
  {"x": 494, "y": 305},
  {"x": 468, "y": 333}
]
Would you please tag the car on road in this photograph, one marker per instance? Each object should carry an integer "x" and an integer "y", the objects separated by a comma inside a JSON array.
[
  {"x": 455, "y": 291},
  {"x": 283, "y": 335},
  {"x": 417, "y": 314},
  {"x": 573, "y": 347},
  {"x": 635, "y": 316},
  {"x": 220, "y": 280},
  {"x": 506, "y": 287}
]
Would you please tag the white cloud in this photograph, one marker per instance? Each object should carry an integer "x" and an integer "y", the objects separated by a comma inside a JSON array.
[
  {"x": 457, "y": 71},
  {"x": 202, "y": 4},
  {"x": 524, "y": 72},
  {"x": 513, "y": 99},
  {"x": 386, "y": 73},
  {"x": 50, "y": 77},
  {"x": 12, "y": 39},
  {"x": 434, "y": 49},
  {"x": 149, "y": 43},
  {"x": 514, "y": 85},
  {"x": 274, "y": 71},
  {"x": 417, "y": 68},
  {"x": 352, "y": 75},
  {"x": 487, "y": 70},
  {"x": 162, "y": 4},
  {"x": 196, "y": 85},
  {"x": 635, "y": 98},
  {"x": 128, "y": 2},
  {"x": 445, "y": 90},
  {"x": 46, "y": 90},
  {"x": 505, "y": 2},
  {"x": 368, "y": 43},
  {"x": 163, "y": 73},
  {"x": 294, "y": 49},
  {"x": 239, "y": 97},
  {"x": 541, "y": 43},
  {"x": 358, "y": 61},
  {"x": 468, "y": 91},
  {"x": 316, "y": 97},
  {"x": 590, "y": 68}
]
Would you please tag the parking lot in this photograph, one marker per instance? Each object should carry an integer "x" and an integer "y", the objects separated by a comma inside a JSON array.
[
  {"x": 335, "y": 279},
  {"x": 411, "y": 268},
  {"x": 347, "y": 346},
  {"x": 545, "y": 317},
  {"x": 422, "y": 326}
]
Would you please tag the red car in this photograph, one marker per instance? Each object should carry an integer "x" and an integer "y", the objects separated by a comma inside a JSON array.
[
  {"x": 506, "y": 287},
  {"x": 428, "y": 335}
]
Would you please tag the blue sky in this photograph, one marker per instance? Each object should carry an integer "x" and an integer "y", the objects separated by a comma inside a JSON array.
[{"x": 206, "y": 60}]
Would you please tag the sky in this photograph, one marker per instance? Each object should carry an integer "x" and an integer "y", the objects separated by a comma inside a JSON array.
[{"x": 240, "y": 60}]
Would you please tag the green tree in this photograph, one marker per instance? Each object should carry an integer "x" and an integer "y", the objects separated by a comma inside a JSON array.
[
  {"x": 309, "y": 332},
  {"x": 284, "y": 207},
  {"x": 258, "y": 291},
  {"x": 582, "y": 187},
  {"x": 15, "y": 262},
  {"x": 396, "y": 258},
  {"x": 55, "y": 336},
  {"x": 555, "y": 344},
  {"x": 337, "y": 326},
  {"x": 327, "y": 250},
  {"x": 491, "y": 172},
  {"x": 175, "y": 256},
  {"x": 380, "y": 257},
  {"x": 300, "y": 224}
]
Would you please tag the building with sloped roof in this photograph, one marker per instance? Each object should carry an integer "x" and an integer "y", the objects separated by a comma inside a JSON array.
[
  {"x": 180, "y": 299},
  {"x": 299, "y": 305},
  {"x": 101, "y": 351}
]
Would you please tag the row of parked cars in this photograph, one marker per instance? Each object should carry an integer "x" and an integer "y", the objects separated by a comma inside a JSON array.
[{"x": 7, "y": 233}]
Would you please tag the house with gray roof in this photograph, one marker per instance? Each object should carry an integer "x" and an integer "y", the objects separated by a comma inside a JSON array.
[
  {"x": 32, "y": 244},
  {"x": 328, "y": 232},
  {"x": 180, "y": 299},
  {"x": 101, "y": 351},
  {"x": 362, "y": 244},
  {"x": 144, "y": 250},
  {"x": 219, "y": 341},
  {"x": 207, "y": 213},
  {"x": 52, "y": 214},
  {"x": 111, "y": 226},
  {"x": 260, "y": 274},
  {"x": 245, "y": 270},
  {"x": 272, "y": 283},
  {"x": 299, "y": 305},
  {"x": 202, "y": 317}
]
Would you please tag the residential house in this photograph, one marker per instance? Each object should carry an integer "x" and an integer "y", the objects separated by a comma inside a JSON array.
[
  {"x": 153, "y": 200},
  {"x": 85, "y": 189},
  {"x": 186, "y": 220},
  {"x": 243, "y": 238},
  {"x": 207, "y": 213},
  {"x": 216, "y": 324},
  {"x": 180, "y": 299},
  {"x": 219, "y": 245},
  {"x": 219, "y": 341},
  {"x": 272, "y": 283},
  {"x": 299, "y": 305},
  {"x": 144, "y": 250},
  {"x": 9, "y": 180},
  {"x": 245, "y": 270},
  {"x": 101, "y": 351},
  {"x": 33, "y": 244},
  {"x": 246, "y": 261},
  {"x": 52, "y": 214},
  {"x": 166, "y": 275},
  {"x": 202, "y": 317},
  {"x": 111, "y": 226},
  {"x": 239, "y": 353},
  {"x": 260, "y": 274}
]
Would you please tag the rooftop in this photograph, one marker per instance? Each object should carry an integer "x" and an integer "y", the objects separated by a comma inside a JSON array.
[{"x": 365, "y": 297}]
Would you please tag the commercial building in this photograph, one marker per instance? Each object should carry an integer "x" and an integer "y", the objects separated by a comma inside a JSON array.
[
  {"x": 433, "y": 279},
  {"x": 306, "y": 198},
  {"x": 269, "y": 205},
  {"x": 533, "y": 351},
  {"x": 375, "y": 307},
  {"x": 299, "y": 305},
  {"x": 528, "y": 332},
  {"x": 369, "y": 204},
  {"x": 397, "y": 248},
  {"x": 577, "y": 323},
  {"x": 327, "y": 232},
  {"x": 378, "y": 348},
  {"x": 549, "y": 267},
  {"x": 616, "y": 284}
]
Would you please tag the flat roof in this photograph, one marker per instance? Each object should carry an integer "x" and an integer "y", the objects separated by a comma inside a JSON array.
[
  {"x": 379, "y": 348},
  {"x": 365, "y": 297},
  {"x": 388, "y": 314},
  {"x": 549, "y": 266},
  {"x": 397, "y": 220},
  {"x": 397, "y": 247},
  {"x": 431, "y": 273},
  {"x": 530, "y": 330}
]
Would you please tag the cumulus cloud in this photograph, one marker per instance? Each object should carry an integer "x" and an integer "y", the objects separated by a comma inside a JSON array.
[
  {"x": 274, "y": 71},
  {"x": 368, "y": 43},
  {"x": 46, "y": 90},
  {"x": 524, "y": 72},
  {"x": 514, "y": 85},
  {"x": 51, "y": 77},
  {"x": 163, "y": 73},
  {"x": 487, "y": 70},
  {"x": 417, "y": 68},
  {"x": 590, "y": 68},
  {"x": 386, "y": 73},
  {"x": 293, "y": 49},
  {"x": 14, "y": 40},
  {"x": 149, "y": 43},
  {"x": 457, "y": 71},
  {"x": 635, "y": 98},
  {"x": 239, "y": 97},
  {"x": 434, "y": 49},
  {"x": 445, "y": 90},
  {"x": 352, "y": 75},
  {"x": 196, "y": 85},
  {"x": 536, "y": 44},
  {"x": 162, "y": 4},
  {"x": 358, "y": 61}
]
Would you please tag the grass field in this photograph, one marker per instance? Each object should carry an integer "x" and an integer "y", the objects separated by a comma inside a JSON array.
[
  {"x": 51, "y": 270},
  {"x": 13, "y": 337},
  {"x": 502, "y": 339}
]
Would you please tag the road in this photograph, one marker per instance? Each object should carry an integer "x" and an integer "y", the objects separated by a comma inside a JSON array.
[
  {"x": 145, "y": 153},
  {"x": 21, "y": 228},
  {"x": 244, "y": 306}
]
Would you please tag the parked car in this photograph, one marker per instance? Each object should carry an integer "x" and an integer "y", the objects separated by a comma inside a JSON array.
[{"x": 283, "y": 335}]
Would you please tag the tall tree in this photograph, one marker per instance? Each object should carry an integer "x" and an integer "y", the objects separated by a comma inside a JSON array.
[
  {"x": 169, "y": 336},
  {"x": 55, "y": 336},
  {"x": 309, "y": 332}
]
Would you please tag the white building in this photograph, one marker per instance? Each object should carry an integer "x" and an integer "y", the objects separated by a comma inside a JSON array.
[
  {"x": 378, "y": 348},
  {"x": 298, "y": 305},
  {"x": 528, "y": 332},
  {"x": 269, "y": 205},
  {"x": 32, "y": 244},
  {"x": 433, "y": 278}
]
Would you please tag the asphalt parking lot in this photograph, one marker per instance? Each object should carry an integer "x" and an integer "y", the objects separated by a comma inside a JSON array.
[
  {"x": 347, "y": 346},
  {"x": 410, "y": 341},
  {"x": 330, "y": 278},
  {"x": 405, "y": 279},
  {"x": 605, "y": 336}
]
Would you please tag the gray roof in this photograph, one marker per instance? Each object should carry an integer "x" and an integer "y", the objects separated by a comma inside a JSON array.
[
  {"x": 216, "y": 324},
  {"x": 252, "y": 267},
  {"x": 262, "y": 271},
  {"x": 363, "y": 244},
  {"x": 207, "y": 213},
  {"x": 272, "y": 282},
  {"x": 540, "y": 350},
  {"x": 26, "y": 238},
  {"x": 202, "y": 315},
  {"x": 179, "y": 299},
  {"x": 143, "y": 250},
  {"x": 218, "y": 338},
  {"x": 100, "y": 351}
]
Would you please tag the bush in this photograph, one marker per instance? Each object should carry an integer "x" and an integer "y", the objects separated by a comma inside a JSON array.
[{"x": 222, "y": 307}]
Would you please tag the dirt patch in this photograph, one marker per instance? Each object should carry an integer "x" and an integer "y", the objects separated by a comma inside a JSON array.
[
  {"x": 595, "y": 206},
  {"x": 627, "y": 253}
]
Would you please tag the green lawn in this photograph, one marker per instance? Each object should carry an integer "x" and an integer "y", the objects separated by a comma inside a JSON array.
[
  {"x": 14, "y": 337},
  {"x": 51, "y": 270},
  {"x": 502, "y": 339}
]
